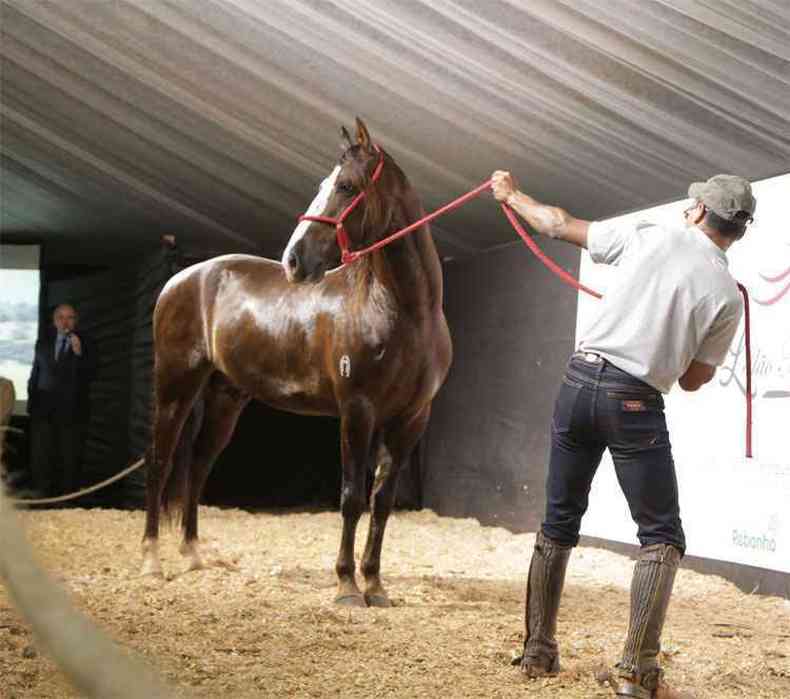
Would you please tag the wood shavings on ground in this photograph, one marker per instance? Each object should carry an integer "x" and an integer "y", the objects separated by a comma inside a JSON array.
[{"x": 264, "y": 624}]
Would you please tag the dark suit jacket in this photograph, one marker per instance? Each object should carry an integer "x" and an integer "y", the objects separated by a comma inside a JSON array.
[{"x": 60, "y": 388}]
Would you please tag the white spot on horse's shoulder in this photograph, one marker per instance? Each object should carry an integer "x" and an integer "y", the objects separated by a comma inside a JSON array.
[
  {"x": 378, "y": 316},
  {"x": 345, "y": 366}
]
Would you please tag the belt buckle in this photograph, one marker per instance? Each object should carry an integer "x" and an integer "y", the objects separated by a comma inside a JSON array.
[{"x": 592, "y": 357}]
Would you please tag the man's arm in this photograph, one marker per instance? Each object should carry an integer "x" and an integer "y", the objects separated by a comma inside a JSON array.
[
  {"x": 714, "y": 346},
  {"x": 548, "y": 220},
  {"x": 696, "y": 376}
]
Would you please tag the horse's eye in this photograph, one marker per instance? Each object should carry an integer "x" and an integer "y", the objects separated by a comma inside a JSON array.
[{"x": 345, "y": 187}]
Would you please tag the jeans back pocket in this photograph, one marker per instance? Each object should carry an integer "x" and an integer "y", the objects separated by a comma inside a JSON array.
[
  {"x": 636, "y": 419},
  {"x": 567, "y": 409}
]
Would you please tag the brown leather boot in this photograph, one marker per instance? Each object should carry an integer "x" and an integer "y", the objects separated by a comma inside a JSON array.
[
  {"x": 638, "y": 674},
  {"x": 544, "y": 589}
]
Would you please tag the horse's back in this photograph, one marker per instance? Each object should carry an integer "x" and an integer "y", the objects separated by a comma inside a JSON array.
[
  {"x": 196, "y": 285},
  {"x": 201, "y": 271},
  {"x": 186, "y": 307}
]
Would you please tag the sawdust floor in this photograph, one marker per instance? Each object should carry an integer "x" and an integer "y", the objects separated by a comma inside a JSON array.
[{"x": 270, "y": 629}]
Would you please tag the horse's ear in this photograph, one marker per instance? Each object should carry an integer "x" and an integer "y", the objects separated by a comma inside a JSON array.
[
  {"x": 363, "y": 137},
  {"x": 347, "y": 143}
]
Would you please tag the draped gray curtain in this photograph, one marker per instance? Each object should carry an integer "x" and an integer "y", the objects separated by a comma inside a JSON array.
[{"x": 216, "y": 119}]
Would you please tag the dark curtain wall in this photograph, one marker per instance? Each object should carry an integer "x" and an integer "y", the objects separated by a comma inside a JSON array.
[
  {"x": 277, "y": 459},
  {"x": 151, "y": 276},
  {"x": 513, "y": 325}
]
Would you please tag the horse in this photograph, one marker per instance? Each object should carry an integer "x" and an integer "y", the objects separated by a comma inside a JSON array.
[{"x": 366, "y": 342}]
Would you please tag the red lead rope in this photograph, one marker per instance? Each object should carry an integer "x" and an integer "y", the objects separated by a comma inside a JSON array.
[
  {"x": 748, "y": 342},
  {"x": 543, "y": 257},
  {"x": 351, "y": 255}
]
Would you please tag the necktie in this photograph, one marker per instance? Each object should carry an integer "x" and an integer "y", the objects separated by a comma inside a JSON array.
[{"x": 62, "y": 347}]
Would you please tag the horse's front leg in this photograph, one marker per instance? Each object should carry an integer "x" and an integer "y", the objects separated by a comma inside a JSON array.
[
  {"x": 356, "y": 433},
  {"x": 400, "y": 441}
]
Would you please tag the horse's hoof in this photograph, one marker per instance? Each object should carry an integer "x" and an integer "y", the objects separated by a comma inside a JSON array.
[
  {"x": 535, "y": 667},
  {"x": 195, "y": 564},
  {"x": 151, "y": 571},
  {"x": 351, "y": 600},
  {"x": 378, "y": 600}
]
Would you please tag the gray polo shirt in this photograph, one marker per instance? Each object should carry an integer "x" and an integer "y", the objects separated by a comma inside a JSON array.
[{"x": 672, "y": 300}]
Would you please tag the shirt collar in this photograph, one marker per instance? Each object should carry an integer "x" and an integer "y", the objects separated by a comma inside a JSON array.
[{"x": 707, "y": 244}]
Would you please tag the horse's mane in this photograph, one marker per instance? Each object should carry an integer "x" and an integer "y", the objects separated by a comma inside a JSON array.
[{"x": 379, "y": 214}]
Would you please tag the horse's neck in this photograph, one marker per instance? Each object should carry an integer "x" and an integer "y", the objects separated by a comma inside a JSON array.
[{"x": 410, "y": 269}]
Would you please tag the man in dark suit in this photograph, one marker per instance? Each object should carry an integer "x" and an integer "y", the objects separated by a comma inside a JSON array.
[{"x": 63, "y": 367}]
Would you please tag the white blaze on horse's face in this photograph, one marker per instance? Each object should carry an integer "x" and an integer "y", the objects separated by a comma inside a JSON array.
[{"x": 316, "y": 208}]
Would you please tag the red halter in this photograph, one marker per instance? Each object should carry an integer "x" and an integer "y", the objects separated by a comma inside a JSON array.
[{"x": 346, "y": 254}]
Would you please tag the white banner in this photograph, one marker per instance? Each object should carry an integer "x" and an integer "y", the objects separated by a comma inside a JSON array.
[{"x": 733, "y": 508}]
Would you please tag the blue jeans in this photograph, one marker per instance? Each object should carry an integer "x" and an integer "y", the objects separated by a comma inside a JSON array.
[{"x": 600, "y": 406}]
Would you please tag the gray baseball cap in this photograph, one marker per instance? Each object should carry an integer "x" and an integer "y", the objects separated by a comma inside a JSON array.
[{"x": 725, "y": 195}]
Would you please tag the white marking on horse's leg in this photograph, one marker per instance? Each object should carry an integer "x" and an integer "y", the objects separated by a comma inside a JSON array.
[
  {"x": 199, "y": 556},
  {"x": 316, "y": 208},
  {"x": 151, "y": 563},
  {"x": 345, "y": 366},
  {"x": 191, "y": 551}
]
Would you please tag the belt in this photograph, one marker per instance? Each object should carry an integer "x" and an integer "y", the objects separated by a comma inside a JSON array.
[{"x": 592, "y": 357}]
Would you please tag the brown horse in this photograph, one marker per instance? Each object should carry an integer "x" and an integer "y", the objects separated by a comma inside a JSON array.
[{"x": 367, "y": 342}]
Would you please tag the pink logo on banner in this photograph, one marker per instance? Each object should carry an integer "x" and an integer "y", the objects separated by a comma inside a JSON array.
[{"x": 775, "y": 280}]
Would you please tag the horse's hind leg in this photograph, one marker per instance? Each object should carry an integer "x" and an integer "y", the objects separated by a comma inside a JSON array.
[
  {"x": 222, "y": 405},
  {"x": 173, "y": 402},
  {"x": 356, "y": 434},
  {"x": 400, "y": 440}
]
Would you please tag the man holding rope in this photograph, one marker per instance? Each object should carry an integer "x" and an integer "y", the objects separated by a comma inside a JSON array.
[{"x": 669, "y": 315}]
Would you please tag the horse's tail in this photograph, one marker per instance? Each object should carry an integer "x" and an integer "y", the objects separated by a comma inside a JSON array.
[{"x": 176, "y": 486}]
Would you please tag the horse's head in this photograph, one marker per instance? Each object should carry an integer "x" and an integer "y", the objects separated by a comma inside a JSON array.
[{"x": 350, "y": 194}]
